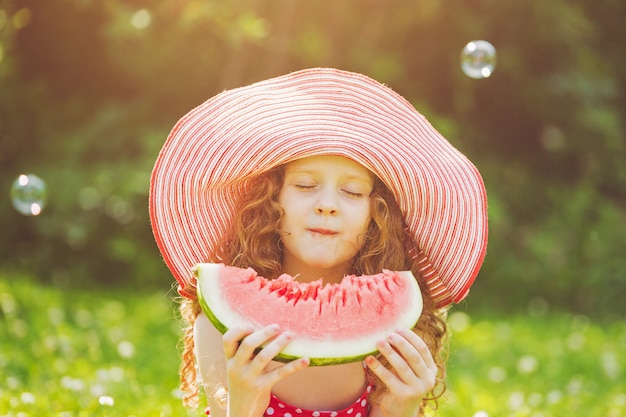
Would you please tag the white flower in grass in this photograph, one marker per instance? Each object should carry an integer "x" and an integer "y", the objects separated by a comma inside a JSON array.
[
  {"x": 56, "y": 315},
  {"x": 554, "y": 396},
  {"x": 516, "y": 400},
  {"x": 126, "y": 349},
  {"x": 106, "y": 401},
  {"x": 97, "y": 390},
  {"x": 610, "y": 364},
  {"x": 535, "y": 399},
  {"x": 27, "y": 398},
  {"x": 576, "y": 341},
  {"x": 527, "y": 364},
  {"x": 497, "y": 374},
  {"x": 12, "y": 383},
  {"x": 177, "y": 393},
  {"x": 619, "y": 399},
  {"x": 114, "y": 373},
  {"x": 73, "y": 384},
  {"x": 575, "y": 385}
]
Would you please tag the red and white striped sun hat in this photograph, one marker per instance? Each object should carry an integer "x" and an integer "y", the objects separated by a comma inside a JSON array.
[{"x": 240, "y": 133}]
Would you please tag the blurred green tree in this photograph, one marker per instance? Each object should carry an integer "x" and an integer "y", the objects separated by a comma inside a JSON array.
[{"x": 89, "y": 91}]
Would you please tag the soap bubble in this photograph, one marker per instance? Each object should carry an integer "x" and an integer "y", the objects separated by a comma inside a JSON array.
[
  {"x": 478, "y": 59},
  {"x": 28, "y": 194}
]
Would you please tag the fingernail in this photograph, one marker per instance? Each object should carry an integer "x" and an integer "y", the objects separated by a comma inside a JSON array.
[{"x": 391, "y": 337}]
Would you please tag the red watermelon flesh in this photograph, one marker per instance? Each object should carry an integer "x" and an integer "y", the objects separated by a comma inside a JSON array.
[{"x": 332, "y": 323}]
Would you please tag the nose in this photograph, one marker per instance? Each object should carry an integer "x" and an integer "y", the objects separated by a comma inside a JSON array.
[
  {"x": 327, "y": 202},
  {"x": 325, "y": 210}
]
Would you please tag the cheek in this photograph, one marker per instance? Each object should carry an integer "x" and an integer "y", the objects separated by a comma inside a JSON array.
[
  {"x": 364, "y": 231},
  {"x": 363, "y": 225},
  {"x": 284, "y": 223},
  {"x": 286, "y": 212},
  {"x": 288, "y": 220},
  {"x": 367, "y": 215}
]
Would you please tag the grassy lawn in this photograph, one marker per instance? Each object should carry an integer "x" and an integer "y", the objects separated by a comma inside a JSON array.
[
  {"x": 536, "y": 366},
  {"x": 70, "y": 353}
]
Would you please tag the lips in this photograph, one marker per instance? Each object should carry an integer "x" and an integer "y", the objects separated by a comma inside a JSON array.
[{"x": 324, "y": 232}]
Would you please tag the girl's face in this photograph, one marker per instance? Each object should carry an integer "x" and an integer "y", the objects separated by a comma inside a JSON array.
[{"x": 326, "y": 207}]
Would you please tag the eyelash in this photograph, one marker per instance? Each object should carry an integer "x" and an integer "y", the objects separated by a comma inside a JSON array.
[
  {"x": 352, "y": 194},
  {"x": 310, "y": 187}
]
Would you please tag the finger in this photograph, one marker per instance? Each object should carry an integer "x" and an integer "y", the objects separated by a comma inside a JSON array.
[
  {"x": 287, "y": 369},
  {"x": 265, "y": 355},
  {"x": 420, "y": 345},
  {"x": 397, "y": 360},
  {"x": 388, "y": 378},
  {"x": 413, "y": 363},
  {"x": 253, "y": 341},
  {"x": 232, "y": 338}
]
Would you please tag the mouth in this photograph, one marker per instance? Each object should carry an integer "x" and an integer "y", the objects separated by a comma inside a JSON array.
[{"x": 323, "y": 232}]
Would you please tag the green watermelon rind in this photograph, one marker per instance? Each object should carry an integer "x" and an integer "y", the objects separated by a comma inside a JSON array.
[
  {"x": 325, "y": 361},
  {"x": 281, "y": 357},
  {"x": 205, "y": 308}
]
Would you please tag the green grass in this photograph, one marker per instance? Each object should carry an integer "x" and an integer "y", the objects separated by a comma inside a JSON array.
[
  {"x": 536, "y": 365},
  {"x": 77, "y": 353},
  {"x": 69, "y": 353}
]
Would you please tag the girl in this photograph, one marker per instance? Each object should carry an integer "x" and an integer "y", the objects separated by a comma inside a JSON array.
[{"x": 319, "y": 173}]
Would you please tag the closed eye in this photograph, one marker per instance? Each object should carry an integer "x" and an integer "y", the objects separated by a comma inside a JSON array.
[{"x": 353, "y": 193}]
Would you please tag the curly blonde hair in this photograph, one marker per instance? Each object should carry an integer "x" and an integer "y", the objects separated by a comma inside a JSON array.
[{"x": 253, "y": 241}]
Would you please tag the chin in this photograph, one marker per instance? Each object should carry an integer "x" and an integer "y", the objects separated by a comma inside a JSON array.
[{"x": 326, "y": 264}]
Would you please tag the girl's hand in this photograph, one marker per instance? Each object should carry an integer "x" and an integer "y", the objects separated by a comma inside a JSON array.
[
  {"x": 411, "y": 375},
  {"x": 249, "y": 380}
]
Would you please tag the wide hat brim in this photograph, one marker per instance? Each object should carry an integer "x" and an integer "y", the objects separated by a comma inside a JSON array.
[{"x": 201, "y": 170}]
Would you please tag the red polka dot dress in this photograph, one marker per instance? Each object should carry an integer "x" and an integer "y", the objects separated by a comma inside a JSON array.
[{"x": 360, "y": 408}]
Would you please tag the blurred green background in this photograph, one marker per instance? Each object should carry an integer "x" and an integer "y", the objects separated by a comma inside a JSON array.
[{"x": 90, "y": 89}]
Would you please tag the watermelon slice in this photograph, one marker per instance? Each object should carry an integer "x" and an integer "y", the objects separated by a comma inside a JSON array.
[{"x": 332, "y": 323}]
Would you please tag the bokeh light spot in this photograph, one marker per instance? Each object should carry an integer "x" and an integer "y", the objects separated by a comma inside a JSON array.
[
  {"x": 3, "y": 19},
  {"x": 21, "y": 18},
  {"x": 141, "y": 19},
  {"x": 459, "y": 321},
  {"x": 527, "y": 364},
  {"x": 497, "y": 374}
]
